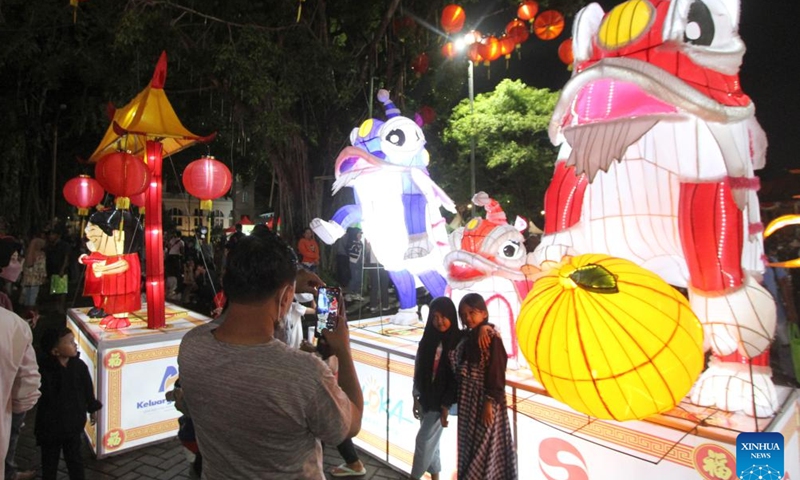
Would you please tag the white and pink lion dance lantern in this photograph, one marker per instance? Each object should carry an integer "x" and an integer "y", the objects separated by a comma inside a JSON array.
[
  {"x": 488, "y": 257},
  {"x": 658, "y": 148}
]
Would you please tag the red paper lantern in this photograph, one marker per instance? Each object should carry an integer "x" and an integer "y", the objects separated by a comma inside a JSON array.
[
  {"x": 565, "y": 51},
  {"x": 528, "y": 10},
  {"x": 519, "y": 34},
  {"x": 83, "y": 192},
  {"x": 123, "y": 176},
  {"x": 207, "y": 179},
  {"x": 548, "y": 25},
  {"x": 507, "y": 45},
  {"x": 513, "y": 24},
  {"x": 474, "y": 54},
  {"x": 420, "y": 64},
  {"x": 453, "y": 18},
  {"x": 403, "y": 27},
  {"x": 139, "y": 200},
  {"x": 489, "y": 48},
  {"x": 428, "y": 115},
  {"x": 449, "y": 50}
]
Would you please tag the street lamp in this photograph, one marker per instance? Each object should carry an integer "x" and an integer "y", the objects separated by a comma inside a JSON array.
[{"x": 462, "y": 44}]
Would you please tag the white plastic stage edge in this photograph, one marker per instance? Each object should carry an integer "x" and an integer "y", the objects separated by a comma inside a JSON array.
[{"x": 553, "y": 441}]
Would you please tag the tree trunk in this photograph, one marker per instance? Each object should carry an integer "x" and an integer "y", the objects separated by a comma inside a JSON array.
[{"x": 291, "y": 167}]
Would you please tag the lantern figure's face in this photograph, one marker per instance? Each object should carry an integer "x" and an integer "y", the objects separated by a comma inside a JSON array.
[
  {"x": 98, "y": 241},
  {"x": 647, "y": 61},
  {"x": 402, "y": 141},
  {"x": 483, "y": 249},
  {"x": 398, "y": 141}
]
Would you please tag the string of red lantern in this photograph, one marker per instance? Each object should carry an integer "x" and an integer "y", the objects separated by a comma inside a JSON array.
[{"x": 546, "y": 25}]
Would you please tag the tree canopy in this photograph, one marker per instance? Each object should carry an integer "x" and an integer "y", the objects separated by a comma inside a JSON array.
[
  {"x": 281, "y": 89},
  {"x": 513, "y": 154}
]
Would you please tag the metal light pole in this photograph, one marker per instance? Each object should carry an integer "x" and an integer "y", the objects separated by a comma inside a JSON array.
[{"x": 472, "y": 185}]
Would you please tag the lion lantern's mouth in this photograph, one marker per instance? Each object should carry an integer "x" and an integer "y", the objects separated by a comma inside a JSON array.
[{"x": 462, "y": 271}]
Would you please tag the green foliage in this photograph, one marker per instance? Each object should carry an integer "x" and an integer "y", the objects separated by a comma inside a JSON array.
[
  {"x": 514, "y": 157},
  {"x": 281, "y": 94}
]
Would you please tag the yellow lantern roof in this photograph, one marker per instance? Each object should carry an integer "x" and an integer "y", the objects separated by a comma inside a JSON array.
[{"x": 148, "y": 115}]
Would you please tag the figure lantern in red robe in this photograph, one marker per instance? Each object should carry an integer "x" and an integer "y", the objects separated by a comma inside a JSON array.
[{"x": 113, "y": 271}]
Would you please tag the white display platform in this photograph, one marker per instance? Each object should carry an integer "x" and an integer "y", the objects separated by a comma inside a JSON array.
[
  {"x": 553, "y": 441},
  {"x": 132, "y": 369}
]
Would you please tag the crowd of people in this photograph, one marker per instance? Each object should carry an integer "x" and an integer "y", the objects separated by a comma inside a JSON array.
[
  {"x": 254, "y": 363},
  {"x": 312, "y": 395}
]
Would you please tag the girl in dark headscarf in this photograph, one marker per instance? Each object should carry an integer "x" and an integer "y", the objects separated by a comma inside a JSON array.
[
  {"x": 485, "y": 449},
  {"x": 434, "y": 385}
]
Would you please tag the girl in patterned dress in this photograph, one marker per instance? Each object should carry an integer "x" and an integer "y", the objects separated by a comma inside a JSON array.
[{"x": 485, "y": 448}]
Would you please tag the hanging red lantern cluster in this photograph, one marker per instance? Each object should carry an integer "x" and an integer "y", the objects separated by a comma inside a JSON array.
[
  {"x": 453, "y": 18},
  {"x": 489, "y": 48},
  {"x": 83, "y": 192},
  {"x": 123, "y": 176},
  {"x": 207, "y": 179},
  {"x": 420, "y": 64},
  {"x": 546, "y": 25}
]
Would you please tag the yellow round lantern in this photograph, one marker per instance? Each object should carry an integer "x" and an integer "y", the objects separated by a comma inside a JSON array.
[{"x": 610, "y": 339}]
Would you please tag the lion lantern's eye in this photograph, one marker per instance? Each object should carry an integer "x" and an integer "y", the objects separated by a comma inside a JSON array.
[
  {"x": 396, "y": 137},
  {"x": 510, "y": 250},
  {"x": 699, "y": 25}
]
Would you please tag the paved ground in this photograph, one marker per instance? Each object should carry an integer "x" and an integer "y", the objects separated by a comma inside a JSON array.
[{"x": 161, "y": 461}]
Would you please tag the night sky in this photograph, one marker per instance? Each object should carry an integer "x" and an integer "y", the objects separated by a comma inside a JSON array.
[{"x": 769, "y": 74}]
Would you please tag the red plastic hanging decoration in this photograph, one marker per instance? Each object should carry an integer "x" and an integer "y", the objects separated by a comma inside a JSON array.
[
  {"x": 123, "y": 176},
  {"x": 83, "y": 192},
  {"x": 207, "y": 179}
]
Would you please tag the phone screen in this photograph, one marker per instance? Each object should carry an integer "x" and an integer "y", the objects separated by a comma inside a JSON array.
[{"x": 328, "y": 308}]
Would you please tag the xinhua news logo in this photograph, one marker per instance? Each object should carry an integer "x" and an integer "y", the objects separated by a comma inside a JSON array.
[{"x": 759, "y": 456}]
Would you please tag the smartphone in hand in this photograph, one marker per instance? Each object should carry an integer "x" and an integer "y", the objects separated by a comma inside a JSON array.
[{"x": 328, "y": 300}]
